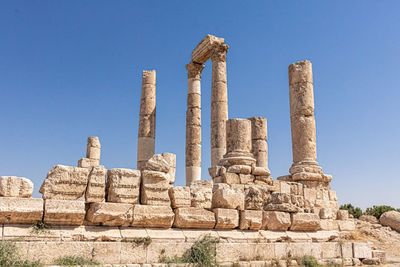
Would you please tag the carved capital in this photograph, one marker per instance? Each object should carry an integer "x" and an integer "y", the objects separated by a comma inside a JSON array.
[
  {"x": 219, "y": 53},
  {"x": 194, "y": 70}
]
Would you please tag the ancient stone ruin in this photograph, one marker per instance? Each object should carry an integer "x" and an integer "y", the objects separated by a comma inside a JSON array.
[{"x": 96, "y": 212}]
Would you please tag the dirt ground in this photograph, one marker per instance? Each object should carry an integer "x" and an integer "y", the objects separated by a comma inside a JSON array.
[{"x": 381, "y": 238}]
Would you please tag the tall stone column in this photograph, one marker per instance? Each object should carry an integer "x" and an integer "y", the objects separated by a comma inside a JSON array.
[
  {"x": 304, "y": 147},
  {"x": 259, "y": 141},
  {"x": 193, "y": 123},
  {"x": 219, "y": 103},
  {"x": 147, "y": 118}
]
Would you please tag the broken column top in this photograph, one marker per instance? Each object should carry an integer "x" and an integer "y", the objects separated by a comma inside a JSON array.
[
  {"x": 300, "y": 71},
  {"x": 149, "y": 77},
  {"x": 93, "y": 141},
  {"x": 202, "y": 52}
]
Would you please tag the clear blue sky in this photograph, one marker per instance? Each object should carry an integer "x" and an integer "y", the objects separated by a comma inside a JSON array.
[{"x": 71, "y": 69}]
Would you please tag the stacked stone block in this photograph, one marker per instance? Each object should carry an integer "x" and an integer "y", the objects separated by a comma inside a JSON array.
[{"x": 93, "y": 153}]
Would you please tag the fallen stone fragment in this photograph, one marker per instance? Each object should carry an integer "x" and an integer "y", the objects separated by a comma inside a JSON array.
[
  {"x": 110, "y": 214},
  {"x": 152, "y": 216},
  {"x": 96, "y": 188},
  {"x": 276, "y": 221},
  {"x": 308, "y": 222},
  {"x": 196, "y": 218},
  {"x": 64, "y": 212},
  {"x": 391, "y": 219},
  {"x": 65, "y": 182},
  {"x": 368, "y": 218},
  {"x": 180, "y": 196},
  {"x": 157, "y": 163},
  {"x": 21, "y": 210},
  {"x": 13, "y": 186},
  {"x": 250, "y": 219},
  {"x": 123, "y": 185},
  {"x": 171, "y": 159},
  {"x": 201, "y": 194},
  {"x": 226, "y": 218}
]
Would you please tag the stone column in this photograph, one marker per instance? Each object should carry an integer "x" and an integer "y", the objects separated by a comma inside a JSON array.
[
  {"x": 93, "y": 148},
  {"x": 193, "y": 123},
  {"x": 304, "y": 147},
  {"x": 147, "y": 118},
  {"x": 259, "y": 141},
  {"x": 219, "y": 103},
  {"x": 238, "y": 143}
]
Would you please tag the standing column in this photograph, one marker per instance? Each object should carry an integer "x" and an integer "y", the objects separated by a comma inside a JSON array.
[
  {"x": 147, "y": 119},
  {"x": 305, "y": 166},
  {"x": 219, "y": 104},
  {"x": 259, "y": 141},
  {"x": 193, "y": 123}
]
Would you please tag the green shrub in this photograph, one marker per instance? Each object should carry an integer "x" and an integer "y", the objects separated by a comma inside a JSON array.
[
  {"x": 355, "y": 211},
  {"x": 377, "y": 211},
  {"x": 309, "y": 261},
  {"x": 201, "y": 254},
  {"x": 74, "y": 260},
  {"x": 9, "y": 256}
]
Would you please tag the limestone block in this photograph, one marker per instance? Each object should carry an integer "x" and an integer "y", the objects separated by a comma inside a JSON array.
[
  {"x": 226, "y": 218},
  {"x": 327, "y": 213},
  {"x": 196, "y": 218},
  {"x": 171, "y": 159},
  {"x": 65, "y": 182},
  {"x": 152, "y": 216},
  {"x": 13, "y": 186},
  {"x": 88, "y": 163},
  {"x": 228, "y": 197},
  {"x": 246, "y": 178},
  {"x": 260, "y": 171},
  {"x": 239, "y": 169},
  {"x": 21, "y": 210},
  {"x": 391, "y": 219},
  {"x": 329, "y": 225},
  {"x": 157, "y": 163},
  {"x": 343, "y": 215},
  {"x": 215, "y": 171},
  {"x": 123, "y": 185},
  {"x": 64, "y": 212},
  {"x": 250, "y": 219},
  {"x": 155, "y": 186},
  {"x": 348, "y": 225},
  {"x": 380, "y": 254},
  {"x": 255, "y": 197},
  {"x": 93, "y": 150},
  {"x": 281, "y": 202},
  {"x": 305, "y": 222},
  {"x": 368, "y": 218},
  {"x": 266, "y": 180},
  {"x": 201, "y": 194},
  {"x": 347, "y": 249},
  {"x": 180, "y": 196},
  {"x": 110, "y": 214},
  {"x": 362, "y": 250},
  {"x": 106, "y": 252},
  {"x": 96, "y": 188},
  {"x": 276, "y": 221},
  {"x": 231, "y": 178}
]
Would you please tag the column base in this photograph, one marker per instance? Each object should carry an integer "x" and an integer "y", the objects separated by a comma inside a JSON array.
[
  {"x": 193, "y": 173},
  {"x": 309, "y": 173}
]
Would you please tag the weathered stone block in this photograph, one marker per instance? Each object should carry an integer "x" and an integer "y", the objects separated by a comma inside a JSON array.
[
  {"x": 276, "y": 221},
  {"x": 180, "y": 196},
  {"x": 231, "y": 178},
  {"x": 255, "y": 197},
  {"x": 152, "y": 216},
  {"x": 88, "y": 163},
  {"x": 123, "y": 185},
  {"x": 155, "y": 186},
  {"x": 194, "y": 218},
  {"x": 96, "y": 188},
  {"x": 343, "y": 215},
  {"x": 348, "y": 225},
  {"x": 226, "y": 218},
  {"x": 329, "y": 225},
  {"x": 305, "y": 222},
  {"x": 65, "y": 182},
  {"x": 171, "y": 159},
  {"x": 93, "y": 148},
  {"x": 64, "y": 212},
  {"x": 362, "y": 250},
  {"x": 227, "y": 197},
  {"x": 391, "y": 219},
  {"x": 110, "y": 214},
  {"x": 250, "y": 219},
  {"x": 13, "y": 186},
  {"x": 239, "y": 169},
  {"x": 201, "y": 194},
  {"x": 260, "y": 171},
  {"x": 21, "y": 210},
  {"x": 157, "y": 163}
]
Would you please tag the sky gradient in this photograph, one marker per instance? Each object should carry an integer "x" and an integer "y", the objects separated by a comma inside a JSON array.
[{"x": 71, "y": 69}]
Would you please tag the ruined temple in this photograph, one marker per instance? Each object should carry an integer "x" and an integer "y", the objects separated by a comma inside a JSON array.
[{"x": 97, "y": 212}]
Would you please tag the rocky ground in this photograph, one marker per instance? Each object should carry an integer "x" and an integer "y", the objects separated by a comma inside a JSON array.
[{"x": 381, "y": 238}]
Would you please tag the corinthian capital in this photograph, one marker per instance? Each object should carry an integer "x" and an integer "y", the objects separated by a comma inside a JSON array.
[
  {"x": 194, "y": 70},
  {"x": 219, "y": 53}
]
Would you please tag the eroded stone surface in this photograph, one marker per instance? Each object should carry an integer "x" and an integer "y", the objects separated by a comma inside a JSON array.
[
  {"x": 226, "y": 218},
  {"x": 180, "y": 196},
  {"x": 65, "y": 182},
  {"x": 110, "y": 214},
  {"x": 14, "y": 186},
  {"x": 64, "y": 212},
  {"x": 194, "y": 218},
  {"x": 276, "y": 221},
  {"x": 152, "y": 216},
  {"x": 250, "y": 219},
  {"x": 201, "y": 194},
  {"x": 305, "y": 222},
  {"x": 227, "y": 197},
  {"x": 96, "y": 188},
  {"x": 391, "y": 219},
  {"x": 123, "y": 185},
  {"x": 21, "y": 210},
  {"x": 155, "y": 186}
]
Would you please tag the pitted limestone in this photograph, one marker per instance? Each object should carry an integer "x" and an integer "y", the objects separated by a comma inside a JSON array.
[{"x": 13, "y": 186}]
